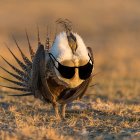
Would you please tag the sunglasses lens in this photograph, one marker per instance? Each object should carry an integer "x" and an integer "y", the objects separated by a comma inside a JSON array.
[
  {"x": 66, "y": 72},
  {"x": 85, "y": 71}
]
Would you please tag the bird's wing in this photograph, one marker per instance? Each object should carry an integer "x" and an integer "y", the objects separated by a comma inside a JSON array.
[
  {"x": 71, "y": 94},
  {"x": 39, "y": 76}
]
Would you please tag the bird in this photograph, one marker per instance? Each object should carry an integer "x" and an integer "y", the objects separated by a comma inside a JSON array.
[{"x": 58, "y": 73}]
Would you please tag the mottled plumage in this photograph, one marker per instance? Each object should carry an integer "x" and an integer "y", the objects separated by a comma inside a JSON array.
[{"x": 41, "y": 77}]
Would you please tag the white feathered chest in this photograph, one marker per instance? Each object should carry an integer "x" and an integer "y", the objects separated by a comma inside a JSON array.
[{"x": 64, "y": 55}]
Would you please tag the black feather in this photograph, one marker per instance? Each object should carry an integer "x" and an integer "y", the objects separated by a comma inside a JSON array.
[
  {"x": 17, "y": 88},
  {"x": 25, "y": 94},
  {"x": 15, "y": 82},
  {"x": 23, "y": 79}
]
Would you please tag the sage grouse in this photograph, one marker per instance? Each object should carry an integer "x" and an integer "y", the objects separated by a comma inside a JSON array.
[{"x": 57, "y": 73}]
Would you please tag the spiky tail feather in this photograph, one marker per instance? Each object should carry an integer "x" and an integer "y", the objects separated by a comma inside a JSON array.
[
  {"x": 22, "y": 65},
  {"x": 32, "y": 54},
  {"x": 26, "y": 60},
  {"x": 26, "y": 94},
  {"x": 17, "y": 88},
  {"x": 23, "y": 76},
  {"x": 14, "y": 82}
]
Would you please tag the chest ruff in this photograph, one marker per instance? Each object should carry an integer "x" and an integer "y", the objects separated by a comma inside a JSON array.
[{"x": 61, "y": 92}]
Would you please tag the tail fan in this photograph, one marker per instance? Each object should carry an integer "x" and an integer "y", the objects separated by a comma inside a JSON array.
[
  {"x": 25, "y": 94},
  {"x": 22, "y": 79},
  {"x": 47, "y": 44},
  {"x": 29, "y": 45},
  {"x": 26, "y": 60},
  {"x": 17, "y": 88},
  {"x": 21, "y": 73},
  {"x": 14, "y": 82},
  {"x": 23, "y": 76},
  {"x": 22, "y": 65}
]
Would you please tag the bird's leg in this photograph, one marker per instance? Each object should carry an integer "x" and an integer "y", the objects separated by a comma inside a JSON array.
[
  {"x": 55, "y": 106},
  {"x": 63, "y": 110},
  {"x": 37, "y": 94}
]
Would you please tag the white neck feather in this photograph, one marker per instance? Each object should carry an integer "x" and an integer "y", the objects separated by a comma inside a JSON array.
[{"x": 62, "y": 51}]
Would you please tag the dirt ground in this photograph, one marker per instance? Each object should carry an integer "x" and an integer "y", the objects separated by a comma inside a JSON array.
[{"x": 109, "y": 110}]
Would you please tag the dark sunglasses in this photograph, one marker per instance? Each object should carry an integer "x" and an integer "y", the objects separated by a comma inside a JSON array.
[{"x": 68, "y": 72}]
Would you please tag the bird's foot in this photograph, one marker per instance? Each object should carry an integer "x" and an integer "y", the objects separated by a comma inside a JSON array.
[{"x": 58, "y": 118}]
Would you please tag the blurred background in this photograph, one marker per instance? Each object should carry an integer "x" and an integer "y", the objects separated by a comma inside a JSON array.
[{"x": 111, "y": 28}]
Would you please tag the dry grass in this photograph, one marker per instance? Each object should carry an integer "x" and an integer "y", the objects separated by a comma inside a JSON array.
[
  {"x": 110, "y": 110},
  {"x": 32, "y": 119}
]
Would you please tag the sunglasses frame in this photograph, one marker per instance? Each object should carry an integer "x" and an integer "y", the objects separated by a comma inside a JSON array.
[{"x": 51, "y": 55}]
